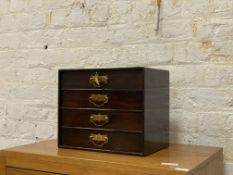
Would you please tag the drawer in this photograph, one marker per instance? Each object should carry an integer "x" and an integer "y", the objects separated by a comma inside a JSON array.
[
  {"x": 102, "y": 99},
  {"x": 102, "y": 79},
  {"x": 112, "y": 141},
  {"x": 115, "y": 120},
  {"x": 18, "y": 171}
]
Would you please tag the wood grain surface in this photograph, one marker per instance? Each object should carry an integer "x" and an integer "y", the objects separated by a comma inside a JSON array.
[
  {"x": 17, "y": 171},
  {"x": 2, "y": 164},
  {"x": 45, "y": 156}
]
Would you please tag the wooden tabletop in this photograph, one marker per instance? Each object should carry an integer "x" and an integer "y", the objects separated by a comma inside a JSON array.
[{"x": 177, "y": 159}]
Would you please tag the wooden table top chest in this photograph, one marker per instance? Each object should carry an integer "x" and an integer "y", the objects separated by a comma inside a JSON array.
[
  {"x": 46, "y": 159},
  {"x": 121, "y": 110}
]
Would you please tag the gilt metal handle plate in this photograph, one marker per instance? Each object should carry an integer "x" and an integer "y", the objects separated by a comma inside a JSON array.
[
  {"x": 97, "y": 80},
  {"x": 98, "y": 140},
  {"x": 99, "y": 119},
  {"x": 98, "y": 100}
]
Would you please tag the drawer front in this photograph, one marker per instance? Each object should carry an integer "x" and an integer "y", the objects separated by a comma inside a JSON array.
[
  {"x": 18, "y": 171},
  {"x": 107, "y": 79},
  {"x": 116, "y": 120},
  {"x": 112, "y": 141},
  {"x": 102, "y": 99}
]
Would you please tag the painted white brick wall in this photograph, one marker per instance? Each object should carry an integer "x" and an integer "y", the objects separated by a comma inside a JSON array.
[{"x": 194, "y": 42}]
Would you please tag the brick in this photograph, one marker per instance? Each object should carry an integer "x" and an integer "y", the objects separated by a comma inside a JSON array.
[
  {"x": 226, "y": 73},
  {"x": 216, "y": 27},
  {"x": 2, "y": 108},
  {"x": 9, "y": 41},
  {"x": 190, "y": 53},
  {"x": 201, "y": 99},
  {"x": 70, "y": 18},
  {"x": 183, "y": 137},
  {"x": 99, "y": 12},
  {"x": 183, "y": 121},
  {"x": 143, "y": 11},
  {"x": 171, "y": 9},
  {"x": 26, "y": 93},
  {"x": 15, "y": 111},
  {"x": 82, "y": 14},
  {"x": 120, "y": 12},
  {"x": 37, "y": 76},
  {"x": 185, "y": 76},
  {"x": 131, "y": 33},
  {"x": 50, "y": 95},
  {"x": 195, "y": 8},
  {"x": 2, "y": 126},
  {"x": 219, "y": 124},
  {"x": 26, "y": 130},
  {"x": 134, "y": 54},
  {"x": 159, "y": 53},
  {"x": 35, "y": 114},
  {"x": 202, "y": 139},
  {"x": 4, "y": 7},
  {"x": 44, "y": 130},
  {"x": 176, "y": 29},
  {"x": 9, "y": 128},
  {"x": 84, "y": 37},
  {"x": 221, "y": 51},
  {"x": 18, "y": 5},
  {"x": 49, "y": 4},
  {"x": 34, "y": 5},
  {"x": 221, "y": 8},
  {"x": 38, "y": 39}
]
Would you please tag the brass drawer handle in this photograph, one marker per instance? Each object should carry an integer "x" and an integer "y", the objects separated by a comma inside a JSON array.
[
  {"x": 98, "y": 100},
  {"x": 97, "y": 80},
  {"x": 98, "y": 140},
  {"x": 99, "y": 120}
]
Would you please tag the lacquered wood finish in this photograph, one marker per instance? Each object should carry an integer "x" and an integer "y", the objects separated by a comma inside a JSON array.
[
  {"x": 132, "y": 79},
  {"x": 117, "y": 141},
  {"x": 46, "y": 157},
  {"x": 130, "y": 121},
  {"x": 137, "y": 104},
  {"x": 116, "y": 99},
  {"x": 156, "y": 111}
]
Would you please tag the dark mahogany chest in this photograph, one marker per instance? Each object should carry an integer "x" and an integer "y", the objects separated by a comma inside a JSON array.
[{"x": 121, "y": 110}]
